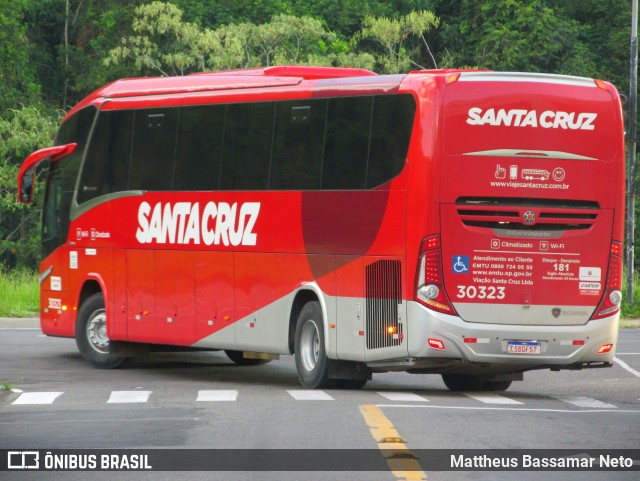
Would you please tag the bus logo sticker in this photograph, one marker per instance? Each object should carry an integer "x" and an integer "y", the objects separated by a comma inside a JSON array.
[
  {"x": 556, "y": 311},
  {"x": 187, "y": 223},
  {"x": 592, "y": 274},
  {"x": 559, "y": 174},
  {"x": 529, "y": 217},
  {"x": 55, "y": 303},
  {"x": 73, "y": 259},
  {"x": 460, "y": 264},
  {"x": 535, "y": 174},
  {"x": 56, "y": 283}
]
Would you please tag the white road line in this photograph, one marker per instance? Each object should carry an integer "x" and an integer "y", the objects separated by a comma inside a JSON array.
[
  {"x": 308, "y": 395},
  {"x": 402, "y": 396},
  {"x": 585, "y": 402},
  {"x": 486, "y": 408},
  {"x": 492, "y": 399},
  {"x": 217, "y": 395},
  {"x": 122, "y": 397},
  {"x": 37, "y": 398},
  {"x": 626, "y": 366}
]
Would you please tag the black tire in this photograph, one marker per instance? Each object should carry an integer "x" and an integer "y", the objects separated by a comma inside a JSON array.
[
  {"x": 238, "y": 358},
  {"x": 353, "y": 384},
  {"x": 497, "y": 385},
  {"x": 312, "y": 362},
  {"x": 91, "y": 334},
  {"x": 457, "y": 382}
]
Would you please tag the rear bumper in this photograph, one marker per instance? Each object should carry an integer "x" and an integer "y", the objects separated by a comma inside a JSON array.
[{"x": 560, "y": 346}]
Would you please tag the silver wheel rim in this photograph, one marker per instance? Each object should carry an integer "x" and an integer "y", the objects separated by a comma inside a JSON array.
[
  {"x": 97, "y": 332},
  {"x": 310, "y": 345}
]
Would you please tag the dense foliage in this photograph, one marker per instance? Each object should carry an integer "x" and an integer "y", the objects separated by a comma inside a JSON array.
[{"x": 54, "y": 52}]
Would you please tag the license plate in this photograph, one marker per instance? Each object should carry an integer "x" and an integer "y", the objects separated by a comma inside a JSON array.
[{"x": 523, "y": 347}]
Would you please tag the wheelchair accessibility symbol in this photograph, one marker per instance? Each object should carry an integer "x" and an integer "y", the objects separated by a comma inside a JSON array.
[{"x": 460, "y": 264}]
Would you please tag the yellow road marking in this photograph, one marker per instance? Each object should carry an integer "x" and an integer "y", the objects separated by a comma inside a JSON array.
[{"x": 401, "y": 461}]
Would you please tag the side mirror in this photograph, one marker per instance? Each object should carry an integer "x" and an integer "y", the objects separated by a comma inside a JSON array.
[
  {"x": 27, "y": 173},
  {"x": 26, "y": 186}
]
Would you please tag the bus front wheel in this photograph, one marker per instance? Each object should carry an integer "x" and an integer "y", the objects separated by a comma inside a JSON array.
[
  {"x": 91, "y": 334},
  {"x": 312, "y": 362}
]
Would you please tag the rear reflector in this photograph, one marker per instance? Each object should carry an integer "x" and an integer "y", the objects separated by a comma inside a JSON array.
[
  {"x": 605, "y": 348},
  {"x": 435, "y": 344}
]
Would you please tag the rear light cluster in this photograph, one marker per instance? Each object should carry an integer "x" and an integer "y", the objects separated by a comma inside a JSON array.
[
  {"x": 430, "y": 281},
  {"x": 610, "y": 303}
]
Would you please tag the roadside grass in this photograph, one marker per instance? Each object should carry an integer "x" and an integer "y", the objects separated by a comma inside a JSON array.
[
  {"x": 631, "y": 311},
  {"x": 19, "y": 293},
  {"x": 6, "y": 386}
]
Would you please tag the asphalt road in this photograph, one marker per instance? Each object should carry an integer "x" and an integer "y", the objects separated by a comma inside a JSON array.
[{"x": 203, "y": 401}]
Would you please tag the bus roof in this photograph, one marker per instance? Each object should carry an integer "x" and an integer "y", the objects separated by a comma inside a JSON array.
[
  {"x": 321, "y": 81},
  {"x": 267, "y": 77}
]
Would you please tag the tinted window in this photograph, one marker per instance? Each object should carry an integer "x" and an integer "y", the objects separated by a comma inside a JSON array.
[
  {"x": 247, "y": 146},
  {"x": 199, "y": 152},
  {"x": 154, "y": 146},
  {"x": 106, "y": 166},
  {"x": 61, "y": 183},
  {"x": 76, "y": 128},
  {"x": 390, "y": 135},
  {"x": 298, "y": 145},
  {"x": 346, "y": 146},
  {"x": 50, "y": 211}
]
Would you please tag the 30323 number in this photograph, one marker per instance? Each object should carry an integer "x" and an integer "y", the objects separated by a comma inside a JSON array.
[{"x": 481, "y": 292}]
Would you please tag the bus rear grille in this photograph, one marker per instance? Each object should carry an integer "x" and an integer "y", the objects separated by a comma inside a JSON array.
[
  {"x": 384, "y": 294},
  {"x": 507, "y": 213}
]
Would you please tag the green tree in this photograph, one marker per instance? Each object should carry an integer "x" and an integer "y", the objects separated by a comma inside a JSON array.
[
  {"x": 393, "y": 35},
  {"x": 24, "y": 131},
  {"x": 72, "y": 37},
  {"x": 513, "y": 35},
  {"x": 163, "y": 43},
  {"x": 18, "y": 83}
]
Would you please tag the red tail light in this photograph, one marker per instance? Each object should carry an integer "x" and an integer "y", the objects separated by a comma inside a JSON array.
[
  {"x": 430, "y": 282},
  {"x": 605, "y": 348},
  {"x": 610, "y": 303}
]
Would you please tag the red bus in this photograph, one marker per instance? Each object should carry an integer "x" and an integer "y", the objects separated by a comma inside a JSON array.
[{"x": 462, "y": 223}]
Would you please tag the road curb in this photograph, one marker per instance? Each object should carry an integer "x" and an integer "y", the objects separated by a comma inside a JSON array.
[{"x": 19, "y": 323}]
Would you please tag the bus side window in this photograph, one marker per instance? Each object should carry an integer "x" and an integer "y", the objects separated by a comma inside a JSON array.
[
  {"x": 346, "y": 147},
  {"x": 154, "y": 145},
  {"x": 298, "y": 143},
  {"x": 390, "y": 135},
  {"x": 247, "y": 146},
  {"x": 199, "y": 149},
  {"x": 106, "y": 166}
]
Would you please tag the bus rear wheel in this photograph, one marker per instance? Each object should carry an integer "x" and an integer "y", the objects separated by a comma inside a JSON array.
[
  {"x": 91, "y": 334},
  {"x": 312, "y": 362},
  {"x": 459, "y": 382}
]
